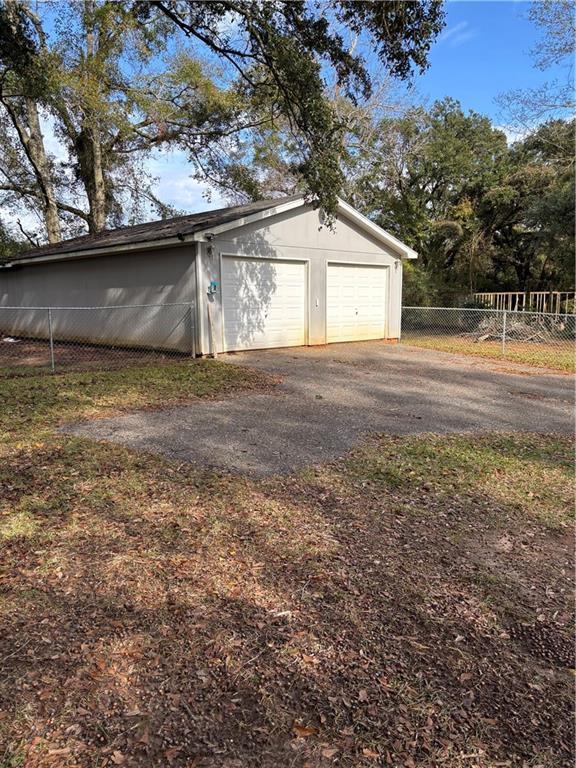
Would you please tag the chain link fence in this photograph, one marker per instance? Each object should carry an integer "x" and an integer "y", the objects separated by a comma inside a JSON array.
[
  {"x": 65, "y": 338},
  {"x": 68, "y": 338},
  {"x": 533, "y": 338}
]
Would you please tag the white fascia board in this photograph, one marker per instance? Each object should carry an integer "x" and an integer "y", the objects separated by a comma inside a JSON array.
[
  {"x": 104, "y": 251},
  {"x": 206, "y": 234},
  {"x": 368, "y": 226},
  {"x": 377, "y": 232}
]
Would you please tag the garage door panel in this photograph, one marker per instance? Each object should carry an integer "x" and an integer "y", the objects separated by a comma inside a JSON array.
[
  {"x": 356, "y": 302},
  {"x": 264, "y": 303}
]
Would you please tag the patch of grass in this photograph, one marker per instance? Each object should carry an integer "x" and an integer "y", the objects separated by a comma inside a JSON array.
[
  {"x": 557, "y": 357},
  {"x": 532, "y": 474},
  {"x": 360, "y": 608},
  {"x": 38, "y": 403},
  {"x": 13, "y": 760},
  {"x": 16, "y": 525}
]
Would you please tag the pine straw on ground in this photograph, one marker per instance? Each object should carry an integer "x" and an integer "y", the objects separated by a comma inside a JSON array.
[{"x": 407, "y": 605}]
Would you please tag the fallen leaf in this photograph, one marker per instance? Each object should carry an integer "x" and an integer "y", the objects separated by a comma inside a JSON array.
[
  {"x": 118, "y": 758},
  {"x": 303, "y": 731},
  {"x": 363, "y": 695},
  {"x": 328, "y": 753},
  {"x": 370, "y": 753}
]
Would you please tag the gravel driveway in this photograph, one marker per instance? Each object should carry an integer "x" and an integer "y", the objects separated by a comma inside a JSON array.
[{"x": 331, "y": 396}]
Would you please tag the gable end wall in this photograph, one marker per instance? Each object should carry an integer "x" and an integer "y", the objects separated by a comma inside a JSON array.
[{"x": 298, "y": 234}]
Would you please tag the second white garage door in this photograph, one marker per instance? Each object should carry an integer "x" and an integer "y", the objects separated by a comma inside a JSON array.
[
  {"x": 356, "y": 302},
  {"x": 263, "y": 302}
]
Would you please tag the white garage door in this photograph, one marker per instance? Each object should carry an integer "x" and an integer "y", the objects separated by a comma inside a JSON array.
[
  {"x": 356, "y": 302},
  {"x": 263, "y": 302}
]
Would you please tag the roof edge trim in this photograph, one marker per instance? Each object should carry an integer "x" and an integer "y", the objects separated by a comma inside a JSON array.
[
  {"x": 204, "y": 235},
  {"x": 104, "y": 251},
  {"x": 344, "y": 208},
  {"x": 380, "y": 234},
  {"x": 274, "y": 210}
]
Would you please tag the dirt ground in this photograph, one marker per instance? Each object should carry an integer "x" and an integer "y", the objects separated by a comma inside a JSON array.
[
  {"x": 408, "y": 603},
  {"x": 25, "y": 355},
  {"x": 365, "y": 612}
]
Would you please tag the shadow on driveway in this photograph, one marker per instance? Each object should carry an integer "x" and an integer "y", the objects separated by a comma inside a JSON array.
[{"x": 332, "y": 396}]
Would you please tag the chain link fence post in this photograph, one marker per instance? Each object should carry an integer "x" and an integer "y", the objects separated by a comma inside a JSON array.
[
  {"x": 539, "y": 339},
  {"x": 51, "y": 337},
  {"x": 192, "y": 331}
]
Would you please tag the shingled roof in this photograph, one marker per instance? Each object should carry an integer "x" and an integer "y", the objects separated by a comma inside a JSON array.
[{"x": 152, "y": 231}]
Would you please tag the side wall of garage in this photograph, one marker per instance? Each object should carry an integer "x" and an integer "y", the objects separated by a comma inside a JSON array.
[
  {"x": 155, "y": 276},
  {"x": 296, "y": 236}
]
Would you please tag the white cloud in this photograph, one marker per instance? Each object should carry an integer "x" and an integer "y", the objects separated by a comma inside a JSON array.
[
  {"x": 175, "y": 184},
  {"x": 511, "y": 134},
  {"x": 457, "y": 35},
  {"x": 451, "y": 31}
]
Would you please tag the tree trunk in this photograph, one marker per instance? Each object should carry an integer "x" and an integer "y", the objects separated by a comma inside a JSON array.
[
  {"x": 98, "y": 204},
  {"x": 23, "y": 113},
  {"x": 26, "y": 121},
  {"x": 89, "y": 153},
  {"x": 90, "y": 142},
  {"x": 43, "y": 173}
]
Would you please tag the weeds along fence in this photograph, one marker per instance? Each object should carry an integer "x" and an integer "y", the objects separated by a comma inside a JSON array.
[
  {"x": 59, "y": 338},
  {"x": 534, "y": 338}
]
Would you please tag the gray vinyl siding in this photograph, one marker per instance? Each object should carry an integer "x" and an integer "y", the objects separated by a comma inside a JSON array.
[
  {"x": 182, "y": 273},
  {"x": 158, "y": 276},
  {"x": 298, "y": 234}
]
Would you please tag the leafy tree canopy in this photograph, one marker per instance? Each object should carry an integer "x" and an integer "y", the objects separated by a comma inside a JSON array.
[
  {"x": 481, "y": 214},
  {"x": 117, "y": 80}
]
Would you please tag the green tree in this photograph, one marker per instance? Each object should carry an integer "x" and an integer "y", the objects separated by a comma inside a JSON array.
[
  {"x": 118, "y": 80},
  {"x": 25, "y": 167},
  {"x": 430, "y": 173},
  {"x": 10, "y": 245},
  {"x": 482, "y": 215},
  {"x": 78, "y": 83},
  {"x": 532, "y": 212}
]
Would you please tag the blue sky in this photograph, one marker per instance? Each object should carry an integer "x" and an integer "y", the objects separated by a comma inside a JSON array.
[{"x": 483, "y": 51}]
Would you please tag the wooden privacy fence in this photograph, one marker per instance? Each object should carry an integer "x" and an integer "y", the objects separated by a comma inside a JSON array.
[{"x": 554, "y": 302}]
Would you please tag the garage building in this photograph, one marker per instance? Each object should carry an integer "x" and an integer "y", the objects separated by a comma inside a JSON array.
[{"x": 261, "y": 275}]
